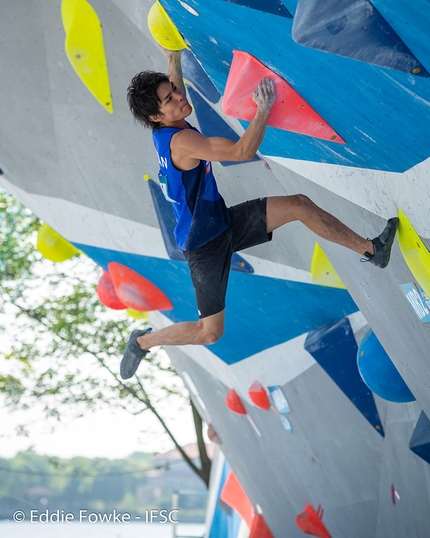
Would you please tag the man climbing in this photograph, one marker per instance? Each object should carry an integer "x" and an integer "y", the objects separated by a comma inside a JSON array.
[{"x": 207, "y": 231}]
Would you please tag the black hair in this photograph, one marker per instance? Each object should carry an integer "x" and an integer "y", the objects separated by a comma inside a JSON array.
[{"x": 143, "y": 99}]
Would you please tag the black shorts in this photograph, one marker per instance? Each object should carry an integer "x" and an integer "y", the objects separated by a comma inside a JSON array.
[{"x": 210, "y": 264}]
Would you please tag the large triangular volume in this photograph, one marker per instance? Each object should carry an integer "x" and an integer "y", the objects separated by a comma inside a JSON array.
[
  {"x": 335, "y": 349},
  {"x": 420, "y": 440},
  {"x": 354, "y": 29},
  {"x": 289, "y": 112},
  {"x": 274, "y": 7}
]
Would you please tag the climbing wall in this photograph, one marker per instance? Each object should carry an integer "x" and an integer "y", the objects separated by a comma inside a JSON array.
[{"x": 350, "y": 129}]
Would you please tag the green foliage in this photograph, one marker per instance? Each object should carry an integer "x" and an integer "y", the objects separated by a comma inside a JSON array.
[{"x": 63, "y": 347}]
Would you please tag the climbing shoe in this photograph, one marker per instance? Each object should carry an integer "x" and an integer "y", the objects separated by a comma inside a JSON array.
[
  {"x": 382, "y": 245},
  {"x": 133, "y": 355}
]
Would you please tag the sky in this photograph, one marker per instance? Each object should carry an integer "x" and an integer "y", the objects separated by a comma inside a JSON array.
[{"x": 106, "y": 433}]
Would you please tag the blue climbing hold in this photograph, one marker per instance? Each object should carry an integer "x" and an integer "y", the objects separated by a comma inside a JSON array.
[{"x": 379, "y": 373}]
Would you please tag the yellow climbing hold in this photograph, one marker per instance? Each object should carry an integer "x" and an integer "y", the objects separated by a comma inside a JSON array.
[
  {"x": 323, "y": 272},
  {"x": 85, "y": 49},
  {"x": 146, "y": 177},
  {"x": 163, "y": 30},
  {"x": 54, "y": 247},
  {"x": 135, "y": 314},
  {"x": 414, "y": 251}
]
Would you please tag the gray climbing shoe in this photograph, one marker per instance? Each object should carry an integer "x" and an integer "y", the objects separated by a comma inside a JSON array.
[
  {"x": 382, "y": 245},
  {"x": 133, "y": 355}
]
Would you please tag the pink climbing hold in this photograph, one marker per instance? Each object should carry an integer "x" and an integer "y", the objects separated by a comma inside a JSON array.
[
  {"x": 106, "y": 292},
  {"x": 258, "y": 395},
  {"x": 289, "y": 112},
  {"x": 234, "y": 403},
  {"x": 310, "y": 522}
]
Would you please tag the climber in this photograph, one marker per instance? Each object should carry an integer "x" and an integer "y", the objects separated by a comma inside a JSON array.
[{"x": 207, "y": 231}]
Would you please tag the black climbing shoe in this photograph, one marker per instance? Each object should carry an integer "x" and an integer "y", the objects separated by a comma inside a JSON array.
[
  {"x": 382, "y": 245},
  {"x": 133, "y": 355}
]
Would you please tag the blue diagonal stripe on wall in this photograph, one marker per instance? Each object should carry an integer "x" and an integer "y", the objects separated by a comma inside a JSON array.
[
  {"x": 278, "y": 310},
  {"x": 335, "y": 349}
]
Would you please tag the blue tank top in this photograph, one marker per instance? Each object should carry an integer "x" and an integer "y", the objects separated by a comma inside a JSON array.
[{"x": 200, "y": 211}]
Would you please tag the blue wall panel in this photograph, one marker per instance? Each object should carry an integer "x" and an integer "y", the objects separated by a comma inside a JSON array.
[
  {"x": 278, "y": 310},
  {"x": 370, "y": 107}
]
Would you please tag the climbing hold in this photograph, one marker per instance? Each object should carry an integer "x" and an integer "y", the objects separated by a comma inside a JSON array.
[
  {"x": 310, "y": 522},
  {"x": 54, "y": 247},
  {"x": 289, "y": 112},
  {"x": 234, "y": 496},
  {"x": 106, "y": 292},
  {"x": 274, "y": 7},
  {"x": 135, "y": 291},
  {"x": 135, "y": 314},
  {"x": 420, "y": 439},
  {"x": 323, "y": 272},
  {"x": 234, "y": 403},
  {"x": 414, "y": 251},
  {"x": 146, "y": 177},
  {"x": 379, "y": 373},
  {"x": 163, "y": 30},
  {"x": 213, "y": 436},
  {"x": 194, "y": 73},
  {"x": 259, "y": 528},
  {"x": 85, "y": 49},
  {"x": 354, "y": 29},
  {"x": 258, "y": 395},
  {"x": 326, "y": 345}
]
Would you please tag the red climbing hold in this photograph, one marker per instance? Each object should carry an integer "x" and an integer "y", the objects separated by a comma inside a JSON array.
[
  {"x": 234, "y": 496},
  {"x": 234, "y": 403},
  {"x": 289, "y": 112},
  {"x": 259, "y": 528},
  {"x": 310, "y": 522},
  {"x": 106, "y": 292},
  {"x": 258, "y": 395},
  {"x": 135, "y": 291}
]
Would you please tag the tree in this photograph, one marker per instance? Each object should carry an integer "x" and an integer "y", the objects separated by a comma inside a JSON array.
[{"x": 65, "y": 347}]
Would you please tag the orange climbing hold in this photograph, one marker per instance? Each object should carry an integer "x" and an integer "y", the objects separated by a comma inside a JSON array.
[
  {"x": 106, "y": 292},
  {"x": 258, "y": 395},
  {"x": 234, "y": 403},
  {"x": 310, "y": 522},
  {"x": 135, "y": 291},
  {"x": 289, "y": 112}
]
